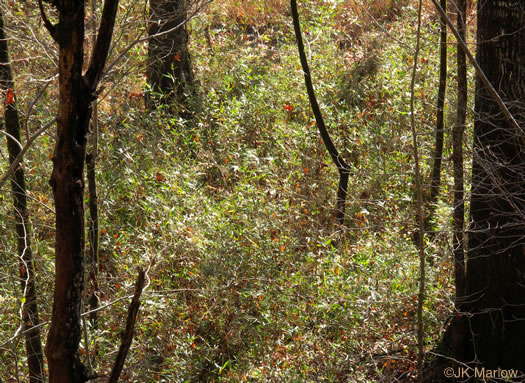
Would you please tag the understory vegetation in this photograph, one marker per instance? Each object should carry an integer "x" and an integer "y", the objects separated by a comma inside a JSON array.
[{"x": 231, "y": 211}]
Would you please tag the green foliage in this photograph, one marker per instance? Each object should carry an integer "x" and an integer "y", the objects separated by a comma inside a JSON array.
[{"x": 231, "y": 210}]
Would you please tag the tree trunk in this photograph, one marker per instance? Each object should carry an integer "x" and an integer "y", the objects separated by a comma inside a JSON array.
[
  {"x": 495, "y": 276},
  {"x": 169, "y": 73},
  {"x": 91, "y": 161},
  {"x": 30, "y": 315},
  {"x": 438, "y": 151},
  {"x": 342, "y": 167},
  {"x": 457, "y": 156},
  {"x": 67, "y": 180}
]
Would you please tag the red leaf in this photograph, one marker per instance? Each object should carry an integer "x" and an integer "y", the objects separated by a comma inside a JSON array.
[
  {"x": 288, "y": 107},
  {"x": 10, "y": 97}
]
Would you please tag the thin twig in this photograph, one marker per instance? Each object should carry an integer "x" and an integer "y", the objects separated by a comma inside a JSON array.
[{"x": 20, "y": 155}]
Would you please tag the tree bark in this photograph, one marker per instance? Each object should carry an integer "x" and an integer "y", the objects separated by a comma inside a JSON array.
[
  {"x": 495, "y": 268},
  {"x": 30, "y": 315},
  {"x": 76, "y": 93},
  {"x": 169, "y": 73},
  {"x": 68, "y": 189}
]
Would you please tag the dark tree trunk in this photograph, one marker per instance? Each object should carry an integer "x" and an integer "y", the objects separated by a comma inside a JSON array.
[
  {"x": 93, "y": 234},
  {"x": 438, "y": 151},
  {"x": 91, "y": 161},
  {"x": 127, "y": 335},
  {"x": 169, "y": 72},
  {"x": 457, "y": 156},
  {"x": 342, "y": 167},
  {"x": 67, "y": 180},
  {"x": 495, "y": 268},
  {"x": 30, "y": 316}
]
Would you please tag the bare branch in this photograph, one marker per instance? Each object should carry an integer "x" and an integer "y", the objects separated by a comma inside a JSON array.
[
  {"x": 20, "y": 155},
  {"x": 50, "y": 27},
  {"x": 101, "y": 47}
]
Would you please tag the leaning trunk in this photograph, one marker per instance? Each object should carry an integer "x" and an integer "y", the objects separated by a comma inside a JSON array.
[
  {"x": 30, "y": 316},
  {"x": 342, "y": 167}
]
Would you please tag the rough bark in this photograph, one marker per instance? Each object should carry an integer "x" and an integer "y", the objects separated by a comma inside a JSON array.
[
  {"x": 68, "y": 189},
  {"x": 76, "y": 93},
  {"x": 342, "y": 167},
  {"x": 491, "y": 333},
  {"x": 30, "y": 315},
  {"x": 496, "y": 247},
  {"x": 169, "y": 73}
]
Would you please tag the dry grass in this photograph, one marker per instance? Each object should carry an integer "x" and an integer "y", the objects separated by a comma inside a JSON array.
[
  {"x": 356, "y": 15},
  {"x": 353, "y": 15},
  {"x": 251, "y": 12}
]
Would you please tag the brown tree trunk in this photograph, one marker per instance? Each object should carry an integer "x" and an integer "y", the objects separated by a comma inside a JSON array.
[
  {"x": 457, "y": 156},
  {"x": 438, "y": 151},
  {"x": 494, "y": 328},
  {"x": 30, "y": 316},
  {"x": 67, "y": 180},
  {"x": 169, "y": 73},
  {"x": 91, "y": 161}
]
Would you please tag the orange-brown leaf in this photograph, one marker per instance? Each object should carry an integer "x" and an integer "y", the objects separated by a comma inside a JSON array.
[{"x": 10, "y": 97}]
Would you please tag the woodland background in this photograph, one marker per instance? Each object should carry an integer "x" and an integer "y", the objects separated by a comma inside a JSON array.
[{"x": 227, "y": 198}]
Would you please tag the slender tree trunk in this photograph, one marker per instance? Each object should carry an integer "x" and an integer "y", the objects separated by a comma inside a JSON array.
[
  {"x": 91, "y": 160},
  {"x": 438, "y": 153},
  {"x": 93, "y": 231},
  {"x": 127, "y": 335},
  {"x": 342, "y": 167},
  {"x": 30, "y": 316},
  {"x": 419, "y": 208},
  {"x": 457, "y": 155},
  {"x": 169, "y": 72}
]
